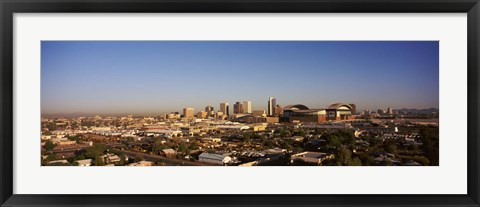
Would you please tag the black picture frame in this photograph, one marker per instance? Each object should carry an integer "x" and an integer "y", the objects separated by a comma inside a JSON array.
[{"x": 9, "y": 7}]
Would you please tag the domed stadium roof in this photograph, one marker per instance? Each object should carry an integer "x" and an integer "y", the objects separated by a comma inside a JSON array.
[
  {"x": 339, "y": 105},
  {"x": 296, "y": 107}
]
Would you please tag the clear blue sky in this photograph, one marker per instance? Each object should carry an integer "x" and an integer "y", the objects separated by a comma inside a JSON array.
[{"x": 155, "y": 77}]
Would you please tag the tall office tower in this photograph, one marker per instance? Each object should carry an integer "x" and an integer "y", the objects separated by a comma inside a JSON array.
[
  {"x": 389, "y": 111},
  {"x": 380, "y": 111},
  {"x": 272, "y": 102},
  {"x": 188, "y": 113},
  {"x": 202, "y": 114},
  {"x": 354, "y": 108},
  {"x": 224, "y": 109},
  {"x": 278, "y": 110},
  {"x": 366, "y": 112},
  {"x": 247, "y": 107},
  {"x": 237, "y": 108},
  {"x": 210, "y": 111}
]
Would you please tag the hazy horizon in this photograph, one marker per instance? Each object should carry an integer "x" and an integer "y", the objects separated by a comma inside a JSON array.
[
  {"x": 157, "y": 77},
  {"x": 85, "y": 114}
]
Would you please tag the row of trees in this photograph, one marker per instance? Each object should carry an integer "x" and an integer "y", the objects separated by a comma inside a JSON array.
[{"x": 430, "y": 140}]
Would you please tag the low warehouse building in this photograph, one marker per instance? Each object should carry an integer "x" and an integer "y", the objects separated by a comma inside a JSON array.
[{"x": 215, "y": 159}]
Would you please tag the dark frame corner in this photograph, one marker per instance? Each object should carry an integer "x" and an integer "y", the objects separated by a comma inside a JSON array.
[{"x": 9, "y": 7}]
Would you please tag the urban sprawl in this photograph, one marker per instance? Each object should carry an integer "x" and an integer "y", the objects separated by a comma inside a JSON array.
[{"x": 292, "y": 135}]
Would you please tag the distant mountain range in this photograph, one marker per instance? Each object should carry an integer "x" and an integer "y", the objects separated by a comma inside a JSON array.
[
  {"x": 418, "y": 111},
  {"x": 81, "y": 114}
]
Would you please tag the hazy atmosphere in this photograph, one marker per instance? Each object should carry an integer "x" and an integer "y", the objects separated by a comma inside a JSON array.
[{"x": 153, "y": 77}]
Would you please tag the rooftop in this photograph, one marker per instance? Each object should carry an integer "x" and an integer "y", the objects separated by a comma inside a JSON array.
[
  {"x": 311, "y": 154},
  {"x": 212, "y": 156}
]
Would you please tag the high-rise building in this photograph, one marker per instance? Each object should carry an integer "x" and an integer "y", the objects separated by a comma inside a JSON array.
[
  {"x": 389, "y": 111},
  {"x": 210, "y": 111},
  {"x": 202, "y": 114},
  {"x": 247, "y": 107},
  {"x": 380, "y": 111},
  {"x": 278, "y": 110},
  {"x": 224, "y": 109},
  {"x": 237, "y": 108},
  {"x": 272, "y": 102},
  {"x": 188, "y": 113},
  {"x": 366, "y": 112}
]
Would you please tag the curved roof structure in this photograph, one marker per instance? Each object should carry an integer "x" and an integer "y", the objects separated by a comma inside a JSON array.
[
  {"x": 296, "y": 107},
  {"x": 339, "y": 105}
]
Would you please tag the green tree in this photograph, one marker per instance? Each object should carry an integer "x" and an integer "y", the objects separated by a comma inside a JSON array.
[
  {"x": 123, "y": 158},
  {"x": 374, "y": 141},
  {"x": 49, "y": 158},
  {"x": 391, "y": 148},
  {"x": 412, "y": 147},
  {"x": 366, "y": 159},
  {"x": 158, "y": 145},
  {"x": 422, "y": 160},
  {"x": 183, "y": 148},
  {"x": 81, "y": 157},
  {"x": 138, "y": 158},
  {"x": 246, "y": 138},
  {"x": 60, "y": 164},
  {"x": 300, "y": 133},
  {"x": 262, "y": 138},
  {"x": 95, "y": 151},
  {"x": 74, "y": 138},
  {"x": 347, "y": 137},
  {"x": 269, "y": 144},
  {"x": 99, "y": 161},
  {"x": 286, "y": 145},
  {"x": 343, "y": 156},
  {"x": 49, "y": 145},
  {"x": 429, "y": 137},
  {"x": 386, "y": 162},
  {"x": 283, "y": 133},
  {"x": 356, "y": 162},
  {"x": 71, "y": 159},
  {"x": 334, "y": 141},
  {"x": 193, "y": 146}
]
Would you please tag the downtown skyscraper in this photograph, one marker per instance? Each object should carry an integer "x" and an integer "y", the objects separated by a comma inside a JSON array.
[
  {"x": 247, "y": 107},
  {"x": 224, "y": 108},
  {"x": 272, "y": 102},
  {"x": 210, "y": 111},
  {"x": 237, "y": 108}
]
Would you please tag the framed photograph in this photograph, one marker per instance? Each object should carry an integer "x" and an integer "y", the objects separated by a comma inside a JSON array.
[{"x": 239, "y": 103}]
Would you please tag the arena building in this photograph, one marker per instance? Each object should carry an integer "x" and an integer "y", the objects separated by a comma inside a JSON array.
[{"x": 334, "y": 112}]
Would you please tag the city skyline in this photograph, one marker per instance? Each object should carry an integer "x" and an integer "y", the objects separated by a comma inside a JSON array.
[
  {"x": 158, "y": 77},
  {"x": 180, "y": 110}
]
